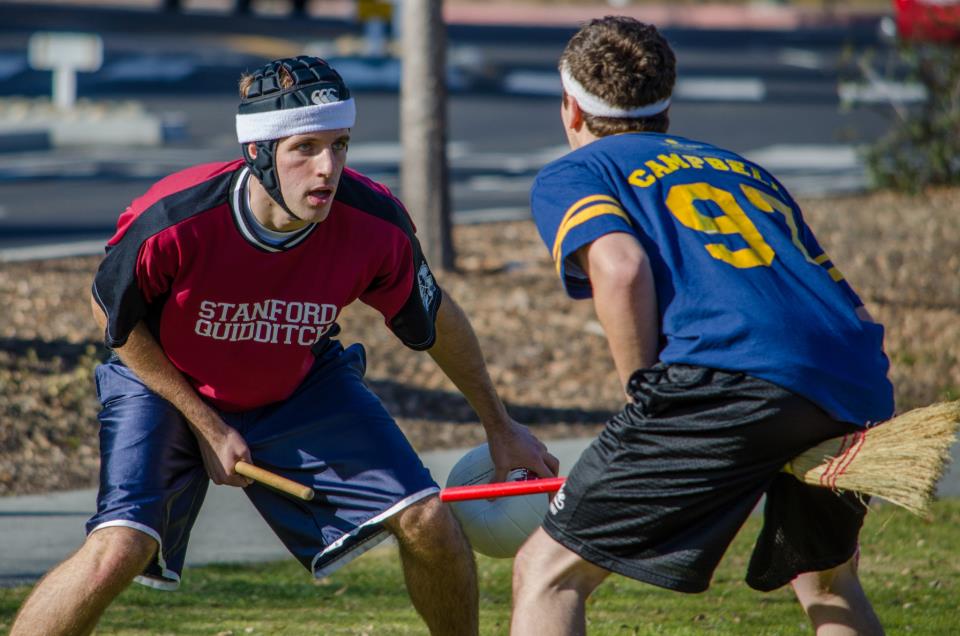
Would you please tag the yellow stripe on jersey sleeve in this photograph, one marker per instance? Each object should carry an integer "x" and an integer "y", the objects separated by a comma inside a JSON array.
[
  {"x": 576, "y": 207},
  {"x": 581, "y": 217},
  {"x": 833, "y": 271}
]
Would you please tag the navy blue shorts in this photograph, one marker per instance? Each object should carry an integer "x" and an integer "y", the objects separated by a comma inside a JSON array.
[
  {"x": 662, "y": 492},
  {"x": 332, "y": 433}
]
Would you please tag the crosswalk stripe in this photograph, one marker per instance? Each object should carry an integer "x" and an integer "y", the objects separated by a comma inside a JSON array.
[
  {"x": 747, "y": 89},
  {"x": 811, "y": 157},
  {"x": 721, "y": 89},
  {"x": 881, "y": 92}
]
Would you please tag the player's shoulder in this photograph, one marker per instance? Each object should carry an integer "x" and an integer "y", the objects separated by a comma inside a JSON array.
[
  {"x": 559, "y": 169},
  {"x": 592, "y": 163},
  {"x": 197, "y": 175},
  {"x": 190, "y": 185},
  {"x": 178, "y": 196},
  {"x": 372, "y": 198},
  {"x": 607, "y": 151}
]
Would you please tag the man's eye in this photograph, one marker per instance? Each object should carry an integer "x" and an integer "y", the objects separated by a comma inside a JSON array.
[
  {"x": 340, "y": 146},
  {"x": 304, "y": 147}
]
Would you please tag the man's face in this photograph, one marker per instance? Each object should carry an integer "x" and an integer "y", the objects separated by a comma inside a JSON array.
[{"x": 309, "y": 167}]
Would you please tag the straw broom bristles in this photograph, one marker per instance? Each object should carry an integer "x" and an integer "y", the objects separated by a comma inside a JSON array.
[{"x": 899, "y": 460}]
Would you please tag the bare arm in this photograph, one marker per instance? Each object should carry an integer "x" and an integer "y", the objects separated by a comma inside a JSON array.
[
  {"x": 458, "y": 354},
  {"x": 625, "y": 299},
  {"x": 221, "y": 445}
]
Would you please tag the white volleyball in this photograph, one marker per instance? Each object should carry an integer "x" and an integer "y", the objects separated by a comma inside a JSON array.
[{"x": 495, "y": 527}]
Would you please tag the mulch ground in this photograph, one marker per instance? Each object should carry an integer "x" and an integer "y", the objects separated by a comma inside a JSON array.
[{"x": 545, "y": 352}]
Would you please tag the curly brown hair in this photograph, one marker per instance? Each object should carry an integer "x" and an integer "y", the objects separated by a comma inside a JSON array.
[{"x": 626, "y": 63}]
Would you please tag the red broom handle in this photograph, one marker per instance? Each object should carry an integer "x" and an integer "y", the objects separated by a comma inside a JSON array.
[{"x": 501, "y": 489}]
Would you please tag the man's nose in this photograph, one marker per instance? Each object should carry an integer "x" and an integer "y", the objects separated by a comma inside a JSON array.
[{"x": 324, "y": 162}]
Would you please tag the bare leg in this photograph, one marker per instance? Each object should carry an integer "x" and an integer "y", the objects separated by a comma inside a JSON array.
[
  {"x": 438, "y": 567},
  {"x": 550, "y": 588},
  {"x": 70, "y": 599},
  {"x": 835, "y": 602}
]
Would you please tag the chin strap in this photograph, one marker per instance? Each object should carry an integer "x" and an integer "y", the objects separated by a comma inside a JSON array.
[{"x": 263, "y": 167}]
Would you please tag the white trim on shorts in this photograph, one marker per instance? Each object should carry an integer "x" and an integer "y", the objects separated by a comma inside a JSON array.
[
  {"x": 171, "y": 580},
  {"x": 368, "y": 543}
]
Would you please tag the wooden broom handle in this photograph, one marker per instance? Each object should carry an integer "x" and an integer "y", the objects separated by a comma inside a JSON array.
[{"x": 265, "y": 477}]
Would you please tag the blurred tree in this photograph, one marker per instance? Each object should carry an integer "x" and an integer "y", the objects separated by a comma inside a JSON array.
[
  {"x": 923, "y": 147},
  {"x": 423, "y": 127}
]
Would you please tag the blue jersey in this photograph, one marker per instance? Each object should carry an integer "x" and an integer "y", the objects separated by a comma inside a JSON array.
[{"x": 741, "y": 282}]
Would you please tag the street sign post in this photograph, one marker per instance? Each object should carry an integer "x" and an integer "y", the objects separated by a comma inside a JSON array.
[{"x": 65, "y": 54}]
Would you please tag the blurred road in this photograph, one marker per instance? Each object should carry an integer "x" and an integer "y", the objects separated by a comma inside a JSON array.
[{"x": 772, "y": 95}]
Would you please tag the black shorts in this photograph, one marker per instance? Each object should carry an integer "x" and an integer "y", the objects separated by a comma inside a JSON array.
[{"x": 663, "y": 490}]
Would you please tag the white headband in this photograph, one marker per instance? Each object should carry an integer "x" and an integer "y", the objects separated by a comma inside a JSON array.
[
  {"x": 277, "y": 124},
  {"x": 593, "y": 105}
]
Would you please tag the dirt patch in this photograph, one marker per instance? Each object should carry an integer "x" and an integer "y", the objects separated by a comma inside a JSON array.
[{"x": 546, "y": 353}]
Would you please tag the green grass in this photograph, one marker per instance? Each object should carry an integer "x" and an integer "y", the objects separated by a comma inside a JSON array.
[{"x": 910, "y": 567}]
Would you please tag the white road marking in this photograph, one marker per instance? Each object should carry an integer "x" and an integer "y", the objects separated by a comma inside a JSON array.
[
  {"x": 55, "y": 250},
  {"x": 814, "y": 170},
  {"x": 881, "y": 91},
  {"x": 729, "y": 89},
  {"x": 801, "y": 58},
  {"x": 815, "y": 157},
  {"x": 745, "y": 89}
]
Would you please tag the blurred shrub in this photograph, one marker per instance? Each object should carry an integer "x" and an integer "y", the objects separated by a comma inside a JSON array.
[{"x": 923, "y": 147}]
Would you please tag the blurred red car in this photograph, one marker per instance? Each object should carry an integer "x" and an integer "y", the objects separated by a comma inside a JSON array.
[{"x": 928, "y": 20}]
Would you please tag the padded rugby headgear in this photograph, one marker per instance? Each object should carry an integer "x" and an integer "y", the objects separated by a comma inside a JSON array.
[{"x": 317, "y": 100}]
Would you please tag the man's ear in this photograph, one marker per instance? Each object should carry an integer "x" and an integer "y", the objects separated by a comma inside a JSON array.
[
  {"x": 252, "y": 150},
  {"x": 574, "y": 115}
]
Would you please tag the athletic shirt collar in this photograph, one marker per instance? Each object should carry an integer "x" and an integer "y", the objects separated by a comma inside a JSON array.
[{"x": 252, "y": 230}]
